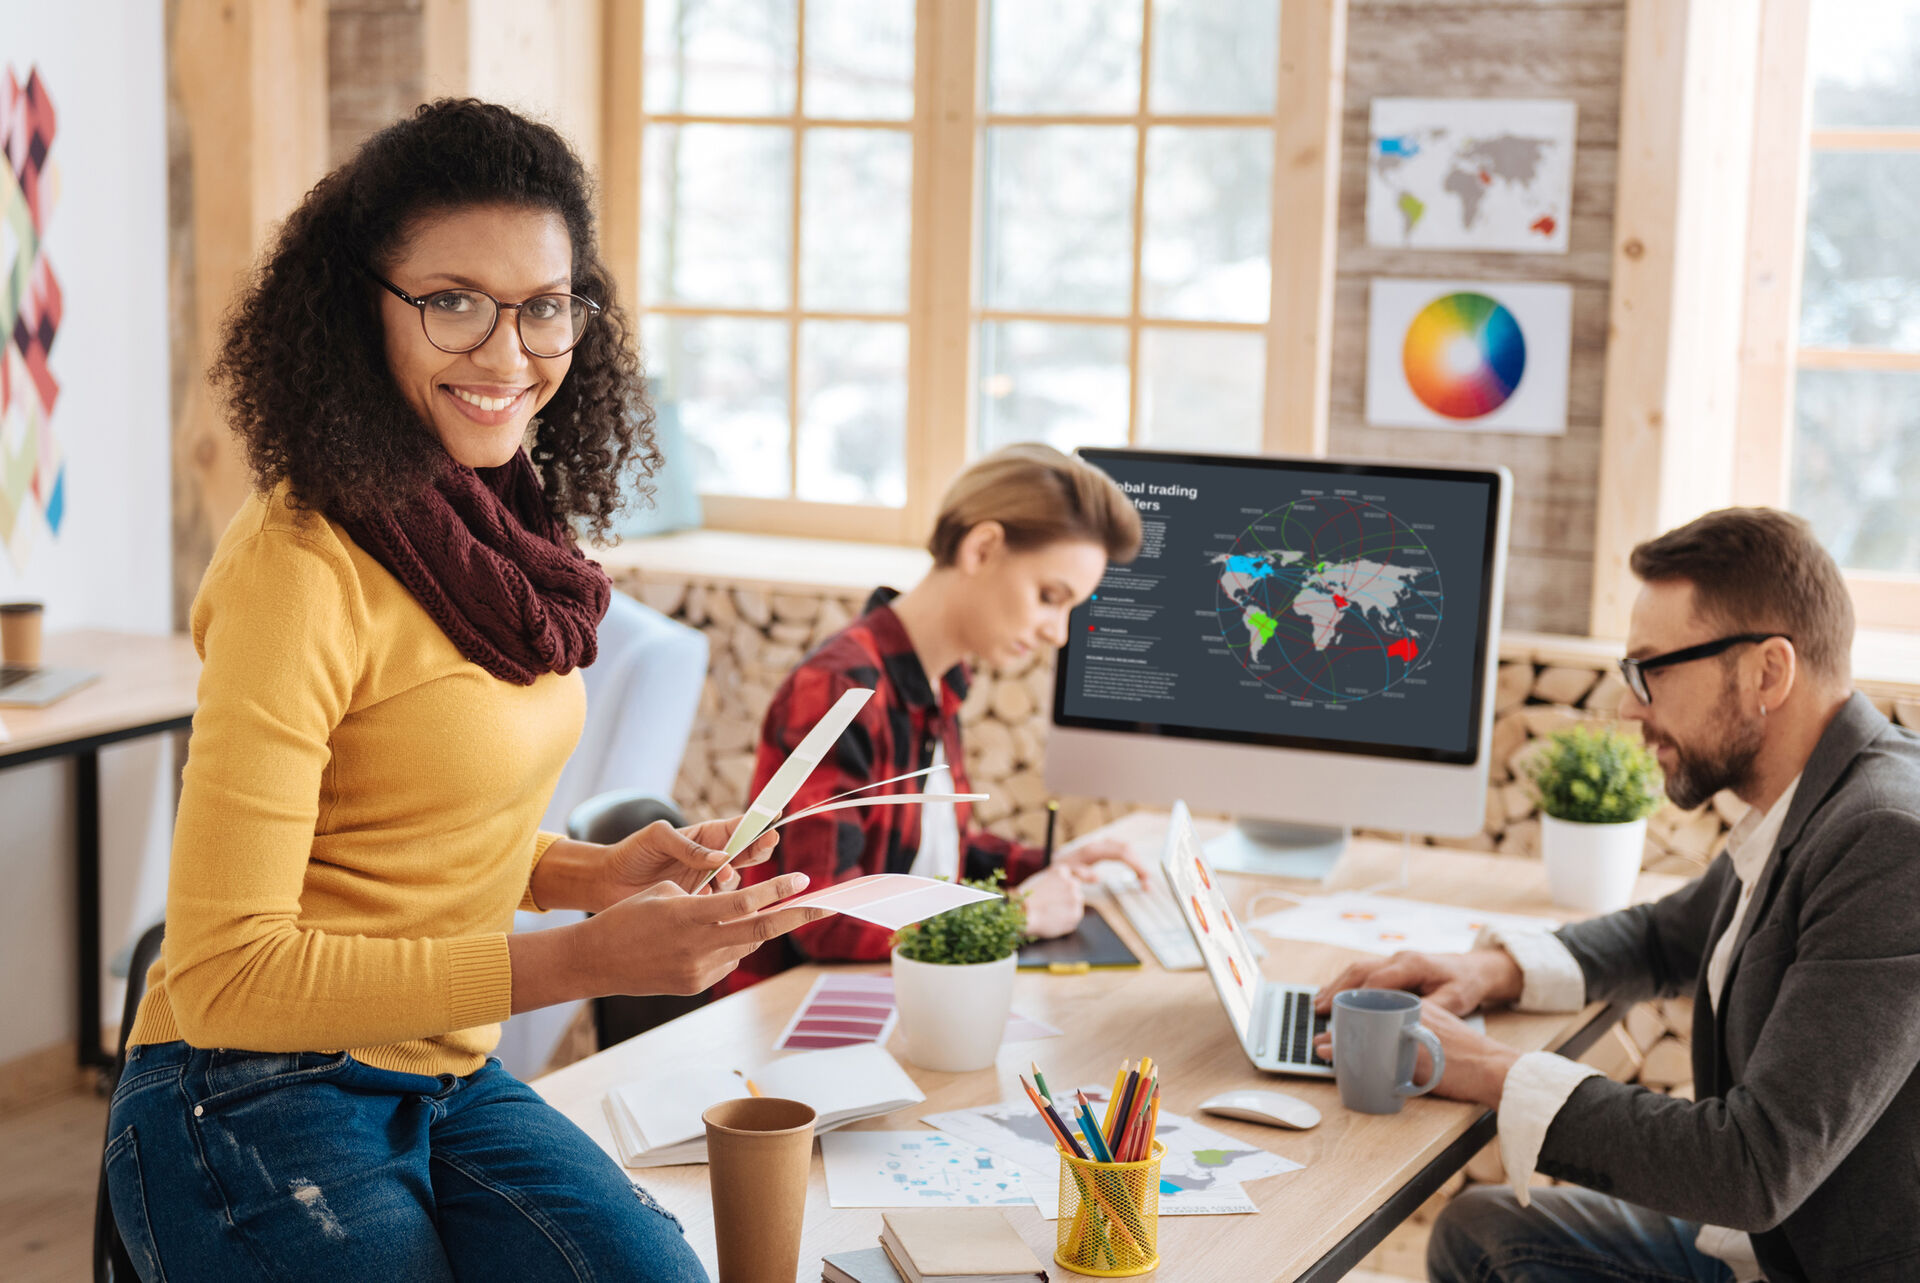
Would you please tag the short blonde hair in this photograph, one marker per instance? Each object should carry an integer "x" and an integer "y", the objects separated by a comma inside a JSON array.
[{"x": 1039, "y": 496}]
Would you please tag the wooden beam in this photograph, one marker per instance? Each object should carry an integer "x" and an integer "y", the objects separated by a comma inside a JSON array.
[
  {"x": 1776, "y": 238},
  {"x": 252, "y": 82},
  {"x": 1863, "y": 139},
  {"x": 1855, "y": 358},
  {"x": 1680, "y": 219},
  {"x": 621, "y": 139},
  {"x": 1311, "y": 95},
  {"x": 940, "y": 286}
]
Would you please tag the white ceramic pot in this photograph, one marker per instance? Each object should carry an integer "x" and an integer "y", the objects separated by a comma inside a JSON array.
[
  {"x": 1592, "y": 866},
  {"x": 953, "y": 1016}
]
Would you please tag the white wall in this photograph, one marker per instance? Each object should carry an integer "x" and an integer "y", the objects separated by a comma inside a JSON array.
[{"x": 109, "y": 567}]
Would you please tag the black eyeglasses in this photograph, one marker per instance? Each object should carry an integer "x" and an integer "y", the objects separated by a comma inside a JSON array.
[
  {"x": 1635, "y": 671},
  {"x": 461, "y": 320}
]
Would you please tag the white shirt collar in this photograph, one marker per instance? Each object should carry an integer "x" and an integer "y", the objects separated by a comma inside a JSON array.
[{"x": 1752, "y": 839}]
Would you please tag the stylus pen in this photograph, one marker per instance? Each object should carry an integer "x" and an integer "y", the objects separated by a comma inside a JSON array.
[{"x": 1053, "y": 813}]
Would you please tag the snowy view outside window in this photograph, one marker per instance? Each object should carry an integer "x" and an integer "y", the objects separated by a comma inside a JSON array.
[
  {"x": 1856, "y": 449},
  {"x": 1120, "y": 256}
]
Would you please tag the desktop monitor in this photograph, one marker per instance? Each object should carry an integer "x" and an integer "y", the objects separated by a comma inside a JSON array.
[{"x": 1307, "y": 645}]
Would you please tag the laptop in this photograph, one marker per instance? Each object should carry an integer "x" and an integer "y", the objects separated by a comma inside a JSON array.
[
  {"x": 22, "y": 687},
  {"x": 1274, "y": 1022}
]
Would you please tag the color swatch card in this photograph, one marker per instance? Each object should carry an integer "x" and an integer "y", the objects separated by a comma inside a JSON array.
[
  {"x": 891, "y": 900},
  {"x": 917, "y": 1169},
  {"x": 841, "y": 1010},
  {"x": 1491, "y": 356}
]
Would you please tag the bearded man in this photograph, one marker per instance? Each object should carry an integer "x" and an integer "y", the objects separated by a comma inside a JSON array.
[{"x": 1799, "y": 1158}]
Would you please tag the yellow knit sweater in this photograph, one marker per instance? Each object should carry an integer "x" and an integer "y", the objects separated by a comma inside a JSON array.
[{"x": 359, "y": 818}]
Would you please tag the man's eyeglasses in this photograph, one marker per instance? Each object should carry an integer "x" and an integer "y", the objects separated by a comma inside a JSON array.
[
  {"x": 461, "y": 320},
  {"x": 1635, "y": 671}
]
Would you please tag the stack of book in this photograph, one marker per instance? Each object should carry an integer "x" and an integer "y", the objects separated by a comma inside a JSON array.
[{"x": 948, "y": 1245}]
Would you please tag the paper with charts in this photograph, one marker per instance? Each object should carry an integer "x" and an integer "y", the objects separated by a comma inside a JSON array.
[
  {"x": 917, "y": 1169},
  {"x": 1470, "y": 173},
  {"x": 1201, "y": 1175},
  {"x": 1385, "y": 924}
]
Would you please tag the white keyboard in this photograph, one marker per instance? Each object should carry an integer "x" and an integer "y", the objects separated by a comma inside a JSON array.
[{"x": 1154, "y": 916}]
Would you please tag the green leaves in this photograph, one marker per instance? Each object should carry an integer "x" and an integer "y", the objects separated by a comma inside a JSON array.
[
  {"x": 1596, "y": 774},
  {"x": 984, "y": 931}
]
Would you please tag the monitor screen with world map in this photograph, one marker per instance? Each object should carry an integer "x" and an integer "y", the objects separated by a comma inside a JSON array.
[{"x": 1338, "y": 609}]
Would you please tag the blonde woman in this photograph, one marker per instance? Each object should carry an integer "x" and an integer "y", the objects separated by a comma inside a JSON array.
[{"x": 1024, "y": 535}]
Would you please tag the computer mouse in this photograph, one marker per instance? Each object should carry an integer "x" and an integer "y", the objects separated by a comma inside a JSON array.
[{"x": 1276, "y": 1109}]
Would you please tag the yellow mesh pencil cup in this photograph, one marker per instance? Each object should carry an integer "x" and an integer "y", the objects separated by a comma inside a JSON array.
[{"x": 1109, "y": 1215}]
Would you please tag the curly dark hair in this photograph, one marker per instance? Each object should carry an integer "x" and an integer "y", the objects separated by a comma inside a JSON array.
[{"x": 302, "y": 362}]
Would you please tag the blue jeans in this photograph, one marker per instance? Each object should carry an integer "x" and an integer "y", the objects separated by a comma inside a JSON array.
[
  {"x": 1569, "y": 1235},
  {"x": 253, "y": 1165}
]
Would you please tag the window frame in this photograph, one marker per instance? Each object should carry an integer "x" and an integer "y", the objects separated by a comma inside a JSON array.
[
  {"x": 947, "y": 128},
  {"x": 1771, "y": 355}
]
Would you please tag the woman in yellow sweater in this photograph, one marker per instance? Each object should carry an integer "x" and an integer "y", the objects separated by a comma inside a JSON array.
[{"x": 390, "y": 630}]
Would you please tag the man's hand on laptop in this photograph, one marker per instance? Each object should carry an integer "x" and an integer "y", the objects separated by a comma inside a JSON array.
[
  {"x": 1459, "y": 982},
  {"x": 1476, "y": 1064}
]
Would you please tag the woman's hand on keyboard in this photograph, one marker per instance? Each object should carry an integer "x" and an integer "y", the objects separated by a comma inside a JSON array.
[{"x": 1079, "y": 860}]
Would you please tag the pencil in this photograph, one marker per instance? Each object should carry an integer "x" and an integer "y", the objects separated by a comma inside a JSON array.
[
  {"x": 1054, "y": 1123},
  {"x": 1039, "y": 1081},
  {"x": 1053, "y": 813},
  {"x": 1119, "y": 1081},
  {"x": 1118, "y": 1124}
]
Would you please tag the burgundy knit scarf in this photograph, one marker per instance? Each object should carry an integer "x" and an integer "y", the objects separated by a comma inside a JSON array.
[{"x": 500, "y": 575}]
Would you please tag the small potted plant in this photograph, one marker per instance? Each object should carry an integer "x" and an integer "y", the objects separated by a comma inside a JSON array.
[
  {"x": 1597, "y": 784},
  {"x": 953, "y": 980}
]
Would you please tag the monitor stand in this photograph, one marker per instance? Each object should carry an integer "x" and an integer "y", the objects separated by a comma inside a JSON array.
[{"x": 1278, "y": 849}]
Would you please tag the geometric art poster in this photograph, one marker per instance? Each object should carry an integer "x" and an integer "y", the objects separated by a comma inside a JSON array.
[
  {"x": 32, "y": 467},
  {"x": 1485, "y": 355},
  {"x": 1470, "y": 173}
]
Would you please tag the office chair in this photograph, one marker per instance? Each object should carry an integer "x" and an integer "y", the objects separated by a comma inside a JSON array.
[
  {"x": 606, "y": 818},
  {"x": 110, "y": 1261}
]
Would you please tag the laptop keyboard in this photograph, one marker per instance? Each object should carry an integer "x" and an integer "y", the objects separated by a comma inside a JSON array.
[
  {"x": 1295, "y": 1031},
  {"x": 13, "y": 674}
]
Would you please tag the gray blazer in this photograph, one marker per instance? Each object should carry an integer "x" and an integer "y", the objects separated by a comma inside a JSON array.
[{"x": 1806, "y": 1130}]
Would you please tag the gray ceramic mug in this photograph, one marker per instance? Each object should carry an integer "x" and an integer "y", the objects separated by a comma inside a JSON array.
[{"x": 1376, "y": 1037}]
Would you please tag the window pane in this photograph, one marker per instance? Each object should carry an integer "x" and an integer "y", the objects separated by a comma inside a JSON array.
[
  {"x": 1215, "y": 55},
  {"x": 1063, "y": 56},
  {"x": 1058, "y": 232},
  {"x": 1062, "y": 384},
  {"x": 720, "y": 57},
  {"x": 1856, "y": 465},
  {"x": 1202, "y": 389},
  {"x": 1863, "y": 57},
  {"x": 1863, "y": 251},
  {"x": 715, "y": 217},
  {"x": 729, "y": 379},
  {"x": 860, "y": 59},
  {"x": 856, "y": 206},
  {"x": 1209, "y": 224},
  {"x": 853, "y": 412}
]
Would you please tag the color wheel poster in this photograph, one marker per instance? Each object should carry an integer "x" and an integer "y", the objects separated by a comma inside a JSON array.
[{"x": 1468, "y": 354}]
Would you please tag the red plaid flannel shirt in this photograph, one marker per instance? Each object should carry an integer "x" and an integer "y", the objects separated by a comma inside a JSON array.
[{"x": 894, "y": 733}]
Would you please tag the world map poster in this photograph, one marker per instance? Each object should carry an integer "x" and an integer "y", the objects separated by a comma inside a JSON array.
[{"x": 1470, "y": 173}]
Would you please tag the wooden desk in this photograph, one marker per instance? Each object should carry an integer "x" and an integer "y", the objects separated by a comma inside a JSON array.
[
  {"x": 1364, "y": 1173},
  {"x": 146, "y": 687}
]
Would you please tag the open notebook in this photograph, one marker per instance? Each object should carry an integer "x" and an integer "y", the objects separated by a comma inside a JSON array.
[{"x": 656, "y": 1123}]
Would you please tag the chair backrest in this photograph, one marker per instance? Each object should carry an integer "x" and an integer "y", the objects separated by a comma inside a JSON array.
[
  {"x": 608, "y": 817},
  {"x": 111, "y": 1264}
]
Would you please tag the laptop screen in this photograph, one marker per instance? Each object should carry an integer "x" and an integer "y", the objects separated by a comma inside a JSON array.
[{"x": 1203, "y": 903}]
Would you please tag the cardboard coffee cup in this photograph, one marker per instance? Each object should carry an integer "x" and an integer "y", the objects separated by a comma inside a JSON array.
[
  {"x": 20, "y": 633},
  {"x": 758, "y": 1151}
]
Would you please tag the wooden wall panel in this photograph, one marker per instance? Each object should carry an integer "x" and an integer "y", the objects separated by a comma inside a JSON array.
[
  {"x": 1566, "y": 49},
  {"x": 375, "y": 69}
]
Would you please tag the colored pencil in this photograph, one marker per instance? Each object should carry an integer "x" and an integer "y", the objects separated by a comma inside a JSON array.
[
  {"x": 1061, "y": 1135},
  {"x": 1039, "y": 1081},
  {"x": 1113, "y": 1099},
  {"x": 1118, "y": 1125},
  {"x": 1095, "y": 1140}
]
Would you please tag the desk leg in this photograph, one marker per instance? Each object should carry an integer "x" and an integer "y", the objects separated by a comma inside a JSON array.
[{"x": 86, "y": 825}]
